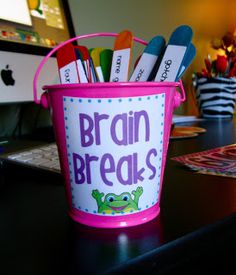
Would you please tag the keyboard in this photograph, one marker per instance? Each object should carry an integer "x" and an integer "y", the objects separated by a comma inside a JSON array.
[{"x": 42, "y": 157}]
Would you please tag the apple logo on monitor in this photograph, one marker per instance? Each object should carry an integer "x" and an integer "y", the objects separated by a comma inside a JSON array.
[{"x": 6, "y": 75}]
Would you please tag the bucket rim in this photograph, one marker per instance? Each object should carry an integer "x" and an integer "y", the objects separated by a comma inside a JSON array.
[{"x": 110, "y": 84}]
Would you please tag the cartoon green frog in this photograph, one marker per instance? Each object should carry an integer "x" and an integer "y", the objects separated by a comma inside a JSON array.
[{"x": 122, "y": 203}]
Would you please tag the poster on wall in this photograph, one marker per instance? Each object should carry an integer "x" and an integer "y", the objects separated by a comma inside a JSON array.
[{"x": 15, "y": 11}]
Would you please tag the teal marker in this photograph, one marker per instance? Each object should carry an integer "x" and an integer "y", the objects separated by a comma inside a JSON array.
[{"x": 148, "y": 59}]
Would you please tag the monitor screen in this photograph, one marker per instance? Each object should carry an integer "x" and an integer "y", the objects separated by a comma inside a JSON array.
[
  {"x": 21, "y": 14},
  {"x": 29, "y": 29}
]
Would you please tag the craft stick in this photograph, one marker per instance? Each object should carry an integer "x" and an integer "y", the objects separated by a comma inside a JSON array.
[
  {"x": 66, "y": 61},
  {"x": 121, "y": 57},
  {"x": 148, "y": 59},
  {"x": 174, "y": 54}
]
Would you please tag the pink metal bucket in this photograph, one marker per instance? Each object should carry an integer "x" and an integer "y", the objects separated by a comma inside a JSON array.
[{"x": 112, "y": 140}]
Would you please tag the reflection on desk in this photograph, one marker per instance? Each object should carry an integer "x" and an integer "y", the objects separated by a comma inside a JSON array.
[{"x": 194, "y": 233}]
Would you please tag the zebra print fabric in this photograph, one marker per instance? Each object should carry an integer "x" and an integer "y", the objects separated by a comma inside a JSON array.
[{"x": 216, "y": 96}]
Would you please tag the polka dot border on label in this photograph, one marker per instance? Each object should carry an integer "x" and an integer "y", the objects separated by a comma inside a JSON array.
[{"x": 110, "y": 100}]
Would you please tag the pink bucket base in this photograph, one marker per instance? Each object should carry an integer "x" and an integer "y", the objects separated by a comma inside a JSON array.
[{"x": 119, "y": 221}]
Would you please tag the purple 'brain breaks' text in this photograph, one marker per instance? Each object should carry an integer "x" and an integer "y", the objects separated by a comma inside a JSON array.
[{"x": 124, "y": 129}]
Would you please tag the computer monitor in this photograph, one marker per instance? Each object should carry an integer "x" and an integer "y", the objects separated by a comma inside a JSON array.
[{"x": 29, "y": 29}]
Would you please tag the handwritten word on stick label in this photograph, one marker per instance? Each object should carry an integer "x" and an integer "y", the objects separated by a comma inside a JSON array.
[
  {"x": 171, "y": 63},
  {"x": 68, "y": 73},
  {"x": 120, "y": 66},
  {"x": 66, "y": 61}
]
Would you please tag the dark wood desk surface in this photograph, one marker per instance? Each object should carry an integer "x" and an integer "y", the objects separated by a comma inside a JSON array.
[{"x": 196, "y": 225}]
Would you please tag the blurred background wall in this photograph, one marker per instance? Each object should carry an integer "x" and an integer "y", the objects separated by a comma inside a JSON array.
[{"x": 208, "y": 18}]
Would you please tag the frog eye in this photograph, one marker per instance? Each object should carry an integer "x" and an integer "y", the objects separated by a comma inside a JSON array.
[
  {"x": 110, "y": 198},
  {"x": 125, "y": 197}
]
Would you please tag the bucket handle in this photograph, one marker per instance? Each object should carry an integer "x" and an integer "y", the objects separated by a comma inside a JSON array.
[
  {"x": 178, "y": 99},
  {"x": 44, "y": 60}
]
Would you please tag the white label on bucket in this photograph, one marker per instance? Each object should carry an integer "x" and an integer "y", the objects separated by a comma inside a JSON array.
[
  {"x": 114, "y": 148},
  {"x": 171, "y": 63}
]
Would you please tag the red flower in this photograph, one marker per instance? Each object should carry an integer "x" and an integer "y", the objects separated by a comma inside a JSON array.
[{"x": 221, "y": 64}]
